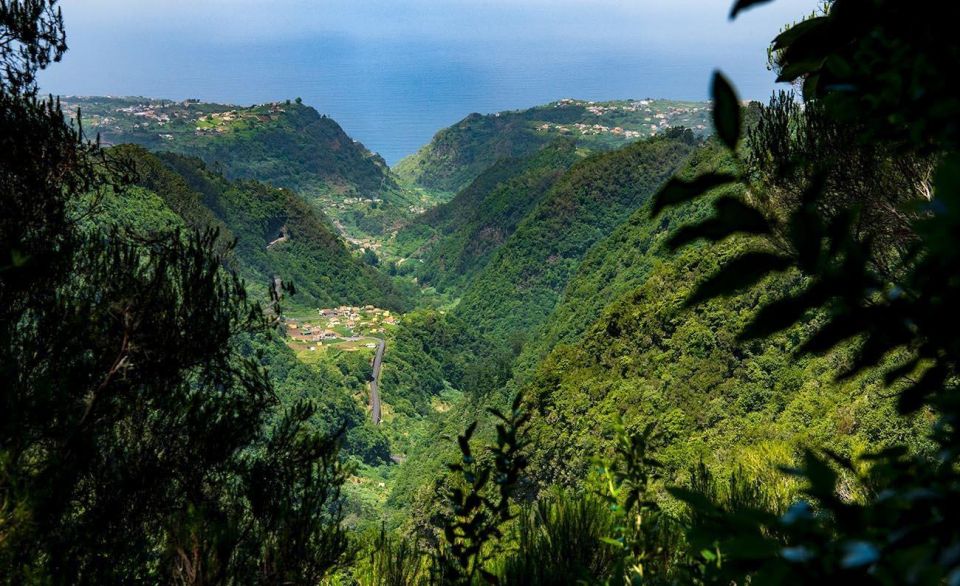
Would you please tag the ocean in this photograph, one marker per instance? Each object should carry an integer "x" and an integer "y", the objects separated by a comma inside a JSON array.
[{"x": 395, "y": 95}]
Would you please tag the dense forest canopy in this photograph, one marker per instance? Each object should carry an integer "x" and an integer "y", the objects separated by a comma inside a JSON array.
[{"x": 717, "y": 352}]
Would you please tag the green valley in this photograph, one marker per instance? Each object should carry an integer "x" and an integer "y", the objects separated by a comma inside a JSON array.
[{"x": 644, "y": 341}]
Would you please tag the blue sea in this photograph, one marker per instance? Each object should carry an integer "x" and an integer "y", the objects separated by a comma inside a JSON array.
[{"x": 394, "y": 95}]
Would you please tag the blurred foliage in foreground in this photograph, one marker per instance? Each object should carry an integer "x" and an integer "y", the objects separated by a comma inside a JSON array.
[{"x": 855, "y": 199}]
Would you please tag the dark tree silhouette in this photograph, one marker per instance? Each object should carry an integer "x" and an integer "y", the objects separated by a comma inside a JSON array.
[{"x": 139, "y": 441}]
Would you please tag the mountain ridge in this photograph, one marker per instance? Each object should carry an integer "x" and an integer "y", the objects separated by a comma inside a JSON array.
[
  {"x": 286, "y": 144},
  {"x": 459, "y": 153},
  {"x": 276, "y": 232}
]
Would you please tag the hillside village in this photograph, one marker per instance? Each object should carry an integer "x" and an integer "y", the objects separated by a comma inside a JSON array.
[
  {"x": 349, "y": 328},
  {"x": 633, "y": 119},
  {"x": 115, "y": 117}
]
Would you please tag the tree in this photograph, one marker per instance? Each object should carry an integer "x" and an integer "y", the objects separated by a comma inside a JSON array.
[
  {"x": 877, "y": 67},
  {"x": 370, "y": 257},
  {"x": 139, "y": 441},
  {"x": 791, "y": 142},
  {"x": 32, "y": 37}
]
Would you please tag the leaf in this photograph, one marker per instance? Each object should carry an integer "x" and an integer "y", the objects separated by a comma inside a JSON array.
[
  {"x": 840, "y": 328},
  {"x": 517, "y": 402},
  {"x": 677, "y": 191},
  {"x": 912, "y": 398},
  {"x": 465, "y": 449},
  {"x": 895, "y": 374},
  {"x": 449, "y": 534},
  {"x": 787, "y": 37},
  {"x": 744, "y": 271},
  {"x": 797, "y": 554},
  {"x": 886, "y": 333},
  {"x": 797, "y": 69},
  {"x": 695, "y": 499},
  {"x": 783, "y": 313},
  {"x": 726, "y": 111},
  {"x": 750, "y": 547},
  {"x": 742, "y": 5},
  {"x": 798, "y": 511},
  {"x": 464, "y": 440},
  {"x": 732, "y": 217},
  {"x": 858, "y": 554},
  {"x": 806, "y": 227},
  {"x": 822, "y": 478}
]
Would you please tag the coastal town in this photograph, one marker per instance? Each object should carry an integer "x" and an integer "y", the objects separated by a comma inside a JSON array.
[{"x": 114, "y": 118}]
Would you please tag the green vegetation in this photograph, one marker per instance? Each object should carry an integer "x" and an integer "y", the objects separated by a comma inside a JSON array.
[
  {"x": 732, "y": 406},
  {"x": 459, "y": 154},
  {"x": 617, "y": 265},
  {"x": 686, "y": 361},
  {"x": 432, "y": 350},
  {"x": 277, "y": 234},
  {"x": 138, "y": 439},
  {"x": 453, "y": 241},
  {"x": 287, "y": 145},
  {"x": 520, "y": 285}
]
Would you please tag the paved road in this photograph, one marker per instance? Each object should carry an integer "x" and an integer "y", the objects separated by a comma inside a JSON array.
[
  {"x": 375, "y": 383},
  {"x": 375, "y": 411}
]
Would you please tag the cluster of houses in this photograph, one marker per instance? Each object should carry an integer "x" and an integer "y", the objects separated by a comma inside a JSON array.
[
  {"x": 348, "y": 201},
  {"x": 656, "y": 117},
  {"x": 216, "y": 123},
  {"x": 219, "y": 122},
  {"x": 342, "y": 322},
  {"x": 143, "y": 114},
  {"x": 110, "y": 117},
  {"x": 590, "y": 129},
  {"x": 310, "y": 333},
  {"x": 353, "y": 317},
  {"x": 159, "y": 112}
]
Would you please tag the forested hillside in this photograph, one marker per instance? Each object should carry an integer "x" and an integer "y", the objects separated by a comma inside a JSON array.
[
  {"x": 460, "y": 153},
  {"x": 450, "y": 243},
  {"x": 520, "y": 285},
  {"x": 644, "y": 358},
  {"x": 277, "y": 234},
  {"x": 618, "y": 264},
  {"x": 285, "y": 144}
]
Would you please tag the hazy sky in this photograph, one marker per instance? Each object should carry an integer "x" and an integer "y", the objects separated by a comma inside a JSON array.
[
  {"x": 394, "y": 71},
  {"x": 612, "y": 21}
]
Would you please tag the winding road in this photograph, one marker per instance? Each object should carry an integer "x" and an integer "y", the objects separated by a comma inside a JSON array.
[{"x": 375, "y": 382}]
